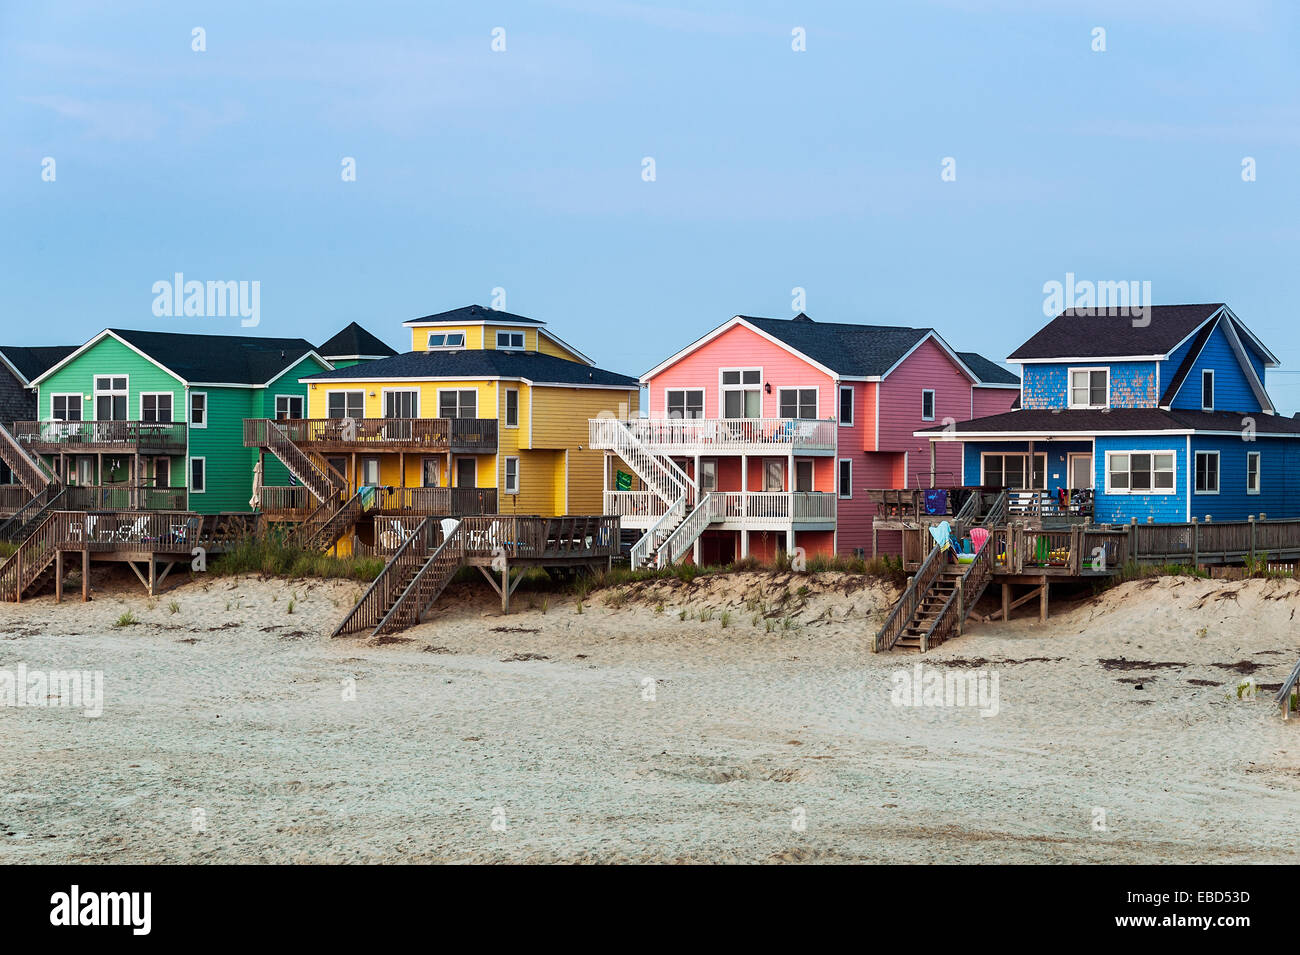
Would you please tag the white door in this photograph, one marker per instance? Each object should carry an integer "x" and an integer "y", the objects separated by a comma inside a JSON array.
[{"x": 1081, "y": 472}]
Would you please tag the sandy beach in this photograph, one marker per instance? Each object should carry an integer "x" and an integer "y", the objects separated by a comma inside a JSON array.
[{"x": 234, "y": 730}]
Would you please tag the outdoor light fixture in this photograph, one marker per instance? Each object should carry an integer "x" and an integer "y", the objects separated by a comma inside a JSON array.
[{"x": 767, "y": 386}]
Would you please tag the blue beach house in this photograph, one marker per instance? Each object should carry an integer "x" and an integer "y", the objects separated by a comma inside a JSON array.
[{"x": 1163, "y": 417}]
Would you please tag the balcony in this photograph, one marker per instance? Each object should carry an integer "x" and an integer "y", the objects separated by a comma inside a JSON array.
[
  {"x": 295, "y": 502},
  {"x": 464, "y": 435},
  {"x": 689, "y": 436},
  {"x": 124, "y": 497},
  {"x": 89, "y": 437},
  {"x": 770, "y": 510}
]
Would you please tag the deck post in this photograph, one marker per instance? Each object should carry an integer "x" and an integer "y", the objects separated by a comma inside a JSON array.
[
  {"x": 1006, "y": 602},
  {"x": 1196, "y": 544},
  {"x": 85, "y": 575},
  {"x": 1042, "y": 601},
  {"x": 961, "y": 600},
  {"x": 58, "y": 576},
  {"x": 1133, "y": 539},
  {"x": 153, "y": 575},
  {"x": 1252, "y": 538}
]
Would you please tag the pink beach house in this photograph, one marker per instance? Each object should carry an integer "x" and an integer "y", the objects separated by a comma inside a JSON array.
[{"x": 764, "y": 435}]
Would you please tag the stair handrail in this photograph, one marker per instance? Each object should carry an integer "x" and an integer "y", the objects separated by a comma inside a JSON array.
[
  {"x": 997, "y": 511},
  {"x": 453, "y": 543},
  {"x": 709, "y": 508},
  {"x": 307, "y": 534},
  {"x": 39, "y": 503},
  {"x": 640, "y": 553},
  {"x": 661, "y": 474},
  {"x": 281, "y": 449},
  {"x": 404, "y": 556},
  {"x": 910, "y": 599},
  {"x": 32, "y": 472},
  {"x": 961, "y": 597},
  {"x": 35, "y": 552}
]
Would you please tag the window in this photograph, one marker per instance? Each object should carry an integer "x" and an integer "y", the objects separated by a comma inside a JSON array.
[
  {"x": 429, "y": 472},
  {"x": 345, "y": 404},
  {"x": 156, "y": 408},
  {"x": 512, "y": 407},
  {"x": 741, "y": 392},
  {"x": 446, "y": 339},
  {"x": 1140, "y": 472},
  {"x": 708, "y": 474},
  {"x": 85, "y": 470},
  {"x": 510, "y": 339},
  {"x": 1089, "y": 387},
  {"x": 512, "y": 475},
  {"x": 1207, "y": 472},
  {"x": 803, "y": 475},
  {"x": 65, "y": 407},
  {"x": 846, "y": 405},
  {"x": 198, "y": 409},
  {"x": 1252, "y": 472},
  {"x": 685, "y": 403},
  {"x": 370, "y": 472},
  {"x": 402, "y": 404},
  {"x": 198, "y": 475},
  {"x": 1207, "y": 389},
  {"x": 458, "y": 403},
  {"x": 797, "y": 403},
  {"x": 927, "y": 404},
  {"x": 846, "y": 478},
  {"x": 466, "y": 472},
  {"x": 289, "y": 407},
  {"x": 774, "y": 474},
  {"x": 110, "y": 398},
  {"x": 1013, "y": 471},
  {"x": 162, "y": 472}
]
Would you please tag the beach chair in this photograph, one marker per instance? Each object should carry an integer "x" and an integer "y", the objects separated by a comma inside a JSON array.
[
  {"x": 449, "y": 525},
  {"x": 978, "y": 538},
  {"x": 133, "y": 533}
]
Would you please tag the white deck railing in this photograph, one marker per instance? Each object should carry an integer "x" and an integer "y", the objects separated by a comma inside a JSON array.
[
  {"x": 782, "y": 435},
  {"x": 736, "y": 507}
]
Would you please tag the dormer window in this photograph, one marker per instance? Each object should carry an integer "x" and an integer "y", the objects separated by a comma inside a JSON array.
[
  {"x": 510, "y": 339},
  {"x": 1089, "y": 387},
  {"x": 1207, "y": 389},
  {"x": 446, "y": 340}
]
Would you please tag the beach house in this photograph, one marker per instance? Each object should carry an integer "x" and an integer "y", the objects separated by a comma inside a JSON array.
[
  {"x": 1165, "y": 417},
  {"x": 765, "y": 434}
]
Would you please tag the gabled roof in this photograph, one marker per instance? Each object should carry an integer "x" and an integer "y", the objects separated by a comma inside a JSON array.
[
  {"x": 355, "y": 342},
  {"x": 843, "y": 350},
  {"x": 32, "y": 361},
  {"x": 1043, "y": 422},
  {"x": 989, "y": 372},
  {"x": 472, "y": 363},
  {"x": 1081, "y": 334},
  {"x": 473, "y": 314},
  {"x": 207, "y": 359}
]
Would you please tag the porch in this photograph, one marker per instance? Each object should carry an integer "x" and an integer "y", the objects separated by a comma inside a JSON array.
[
  {"x": 347, "y": 435},
  {"x": 294, "y": 503},
  {"x": 709, "y": 436},
  {"x": 93, "y": 437},
  {"x": 752, "y": 510}
]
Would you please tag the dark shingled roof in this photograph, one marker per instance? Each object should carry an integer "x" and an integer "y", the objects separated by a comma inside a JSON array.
[
  {"x": 34, "y": 361},
  {"x": 1080, "y": 335},
  {"x": 355, "y": 340},
  {"x": 476, "y": 313},
  {"x": 480, "y": 363},
  {"x": 1046, "y": 421},
  {"x": 218, "y": 359},
  {"x": 855, "y": 351},
  {"x": 989, "y": 372}
]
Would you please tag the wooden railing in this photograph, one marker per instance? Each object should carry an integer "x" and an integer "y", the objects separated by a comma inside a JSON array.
[
  {"x": 670, "y": 435},
  {"x": 323, "y": 482},
  {"x": 293, "y": 500},
  {"x": 378, "y": 434},
  {"x": 52, "y": 436},
  {"x": 13, "y": 497},
  {"x": 427, "y": 584},
  {"x": 660, "y": 474},
  {"x": 327, "y": 523},
  {"x": 26, "y": 564},
  {"x": 27, "y": 517},
  {"x": 538, "y": 538},
  {"x": 125, "y": 497},
  {"x": 29, "y": 469},
  {"x": 951, "y": 619},
  {"x": 434, "y": 501},
  {"x": 645, "y": 549},
  {"x": 383, "y": 591},
  {"x": 684, "y": 535},
  {"x": 642, "y": 504},
  {"x": 908, "y": 602},
  {"x": 1047, "y": 506}
]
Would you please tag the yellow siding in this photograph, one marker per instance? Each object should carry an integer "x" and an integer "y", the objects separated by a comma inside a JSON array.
[
  {"x": 559, "y": 421},
  {"x": 549, "y": 347},
  {"x": 473, "y": 335},
  {"x": 318, "y": 400}
]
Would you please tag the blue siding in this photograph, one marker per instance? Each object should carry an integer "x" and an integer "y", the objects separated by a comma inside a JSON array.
[
  {"x": 1132, "y": 384},
  {"x": 1279, "y": 494},
  {"x": 1057, "y": 461},
  {"x": 1120, "y": 508},
  {"x": 1043, "y": 386},
  {"x": 1232, "y": 391}
]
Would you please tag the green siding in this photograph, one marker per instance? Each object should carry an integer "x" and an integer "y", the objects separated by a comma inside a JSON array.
[
  {"x": 109, "y": 357},
  {"x": 229, "y": 464}
]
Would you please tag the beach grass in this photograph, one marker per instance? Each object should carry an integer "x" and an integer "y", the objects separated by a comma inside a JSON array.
[{"x": 272, "y": 557}]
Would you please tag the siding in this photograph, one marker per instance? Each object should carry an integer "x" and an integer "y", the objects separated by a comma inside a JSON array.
[
  {"x": 1119, "y": 508},
  {"x": 1279, "y": 478},
  {"x": 110, "y": 357},
  {"x": 929, "y": 367},
  {"x": 991, "y": 401},
  {"x": 1232, "y": 391},
  {"x": 559, "y": 423},
  {"x": 229, "y": 465},
  {"x": 1132, "y": 384}
]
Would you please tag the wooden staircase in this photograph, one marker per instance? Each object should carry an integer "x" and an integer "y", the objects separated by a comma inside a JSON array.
[
  {"x": 31, "y": 566},
  {"x": 330, "y": 521},
  {"x": 309, "y": 468},
  {"x": 30, "y": 516},
  {"x": 426, "y": 586},
  {"x": 936, "y": 602},
  {"x": 28, "y": 468}
]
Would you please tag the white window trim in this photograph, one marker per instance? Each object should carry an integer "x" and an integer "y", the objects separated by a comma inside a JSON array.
[
  {"x": 723, "y": 389},
  {"x": 523, "y": 340},
  {"x": 1148, "y": 492},
  {"x": 448, "y": 331},
  {"x": 1218, "y": 474},
  {"x": 1029, "y": 464},
  {"x": 346, "y": 391},
  {"x": 301, "y": 398},
  {"x": 81, "y": 400},
  {"x": 505, "y": 408},
  {"x": 95, "y": 393},
  {"x": 1069, "y": 386},
  {"x": 1213, "y": 395},
  {"x": 505, "y": 475},
  {"x": 685, "y": 391},
  {"x": 437, "y": 463},
  {"x": 189, "y": 475},
  {"x": 817, "y": 399},
  {"x": 840, "y": 404},
  {"x": 839, "y": 468},
  {"x": 438, "y": 398},
  {"x": 1259, "y": 471},
  {"x": 189, "y": 410},
  {"x": 934, "y": 404},
  {"x": 385, "y": 392}
]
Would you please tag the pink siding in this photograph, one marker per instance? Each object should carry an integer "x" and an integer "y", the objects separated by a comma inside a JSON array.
[
  {"x": 900, "y": 413},
  {"x": 989, "y": 401}
]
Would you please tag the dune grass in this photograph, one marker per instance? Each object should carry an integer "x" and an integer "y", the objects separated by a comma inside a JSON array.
[{"x": 275, "y": 558}]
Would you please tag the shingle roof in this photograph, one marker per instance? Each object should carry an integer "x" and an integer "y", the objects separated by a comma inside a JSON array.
[
  {"x": 475, "y": 313},
  {"x": 33, "y": 361},
  {"x": 479, "y": 363},
  {"x": 1084, "y": 421},
  {"x": 989, "y": 372},
  {"x": 855, "y": 351},
  {"x": 1074, "y": 334},
  {"x": 353, "y": 341},
  {"x": 218, "y": 359}
]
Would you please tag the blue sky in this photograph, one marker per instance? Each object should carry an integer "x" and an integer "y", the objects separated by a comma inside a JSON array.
[{"x": 522, "y": 169}]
